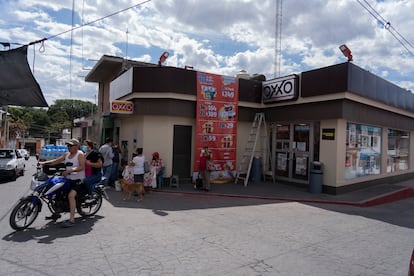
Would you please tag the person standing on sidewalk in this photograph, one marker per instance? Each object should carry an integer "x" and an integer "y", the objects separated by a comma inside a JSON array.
[
  {"x": 115, "y": 162},
  {"x": 203, "y": 168},
  {"x": 107, "y": 155},
  {"x": 138, "y": 166}
]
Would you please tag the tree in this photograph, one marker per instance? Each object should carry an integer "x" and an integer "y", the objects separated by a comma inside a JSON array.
[
  {"x": 74, "y": 108},
  {"x": 17, "y": 127},
  {"x": 39, "y": 122}
]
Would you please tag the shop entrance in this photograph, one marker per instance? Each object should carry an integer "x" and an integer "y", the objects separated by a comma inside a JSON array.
[{"x": 292, "y": 151}]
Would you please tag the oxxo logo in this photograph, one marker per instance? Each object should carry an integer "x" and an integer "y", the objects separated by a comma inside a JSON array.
[
  {"x": 122, "y": 107},
  {"x": 281, "y": 89}
]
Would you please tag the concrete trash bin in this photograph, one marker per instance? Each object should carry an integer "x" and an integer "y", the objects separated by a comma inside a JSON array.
[{"x": 316, "y": 177}]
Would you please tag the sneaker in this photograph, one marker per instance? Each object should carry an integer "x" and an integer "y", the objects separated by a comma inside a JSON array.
[
  {"x": 53, "y": 217},
  {"x": 67, "y": 224}
]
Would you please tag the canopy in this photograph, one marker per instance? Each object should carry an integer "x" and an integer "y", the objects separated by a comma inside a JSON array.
[{"x": 17, "y": 83}]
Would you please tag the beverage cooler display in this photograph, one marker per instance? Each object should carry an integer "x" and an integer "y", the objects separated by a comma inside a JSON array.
[{"x": 363, "y": 151}]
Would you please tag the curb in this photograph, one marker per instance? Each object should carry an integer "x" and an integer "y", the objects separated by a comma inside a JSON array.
[
  {"x": 403, "y": 193},
  {"x": 400, "y": 194}
]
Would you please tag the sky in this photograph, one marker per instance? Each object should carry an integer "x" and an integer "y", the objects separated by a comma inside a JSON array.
[{"x": 216, "y": 36}]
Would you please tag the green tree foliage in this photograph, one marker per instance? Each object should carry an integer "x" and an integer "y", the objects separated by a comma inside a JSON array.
[
  {"x": 45, "y": 123},
  {"x": 73, "y": 108}
]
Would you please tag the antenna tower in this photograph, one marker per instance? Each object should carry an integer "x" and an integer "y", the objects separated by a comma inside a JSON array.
[{"x": 278, "y": 37}]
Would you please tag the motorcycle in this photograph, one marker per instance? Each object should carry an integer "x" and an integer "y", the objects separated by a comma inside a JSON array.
[{"x": 53, "y": 191}]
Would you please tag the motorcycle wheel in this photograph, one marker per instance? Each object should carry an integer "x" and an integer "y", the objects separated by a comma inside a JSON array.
[
  {"x": 23, "y": 215},
  {"x": 87, "y": 209}
]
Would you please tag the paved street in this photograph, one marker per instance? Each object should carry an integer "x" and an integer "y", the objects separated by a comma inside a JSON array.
[{"x": 179, "y": 234}]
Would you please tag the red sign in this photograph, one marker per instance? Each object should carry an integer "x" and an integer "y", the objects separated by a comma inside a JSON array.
[
  {"x": 216, "y": 127},
  {"x": 123, "y": 107}
]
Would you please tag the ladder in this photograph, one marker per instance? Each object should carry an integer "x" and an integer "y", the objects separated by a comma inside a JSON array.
[{"x": 250, "y": 150}]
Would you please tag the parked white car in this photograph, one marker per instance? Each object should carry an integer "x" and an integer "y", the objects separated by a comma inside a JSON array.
[
  {"x": 24, "y": 153},
  {"x": 11, "y": 163}
]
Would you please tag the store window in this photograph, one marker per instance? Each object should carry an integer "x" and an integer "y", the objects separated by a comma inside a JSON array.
[
  {"x": 363, "y": 150},
  {"x": 398, "y": 150}
]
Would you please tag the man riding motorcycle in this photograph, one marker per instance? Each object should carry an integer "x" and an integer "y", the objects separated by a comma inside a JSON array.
[{"x": 75, "y": 172}]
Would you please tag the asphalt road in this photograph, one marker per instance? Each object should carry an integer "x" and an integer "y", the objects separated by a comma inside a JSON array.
[{"x": 178, "y": 234}]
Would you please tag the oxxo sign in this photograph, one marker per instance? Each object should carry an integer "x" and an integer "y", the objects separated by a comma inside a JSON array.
[
  {"x": 281, "y": 89},
  {"x": 123, "y": 107}
]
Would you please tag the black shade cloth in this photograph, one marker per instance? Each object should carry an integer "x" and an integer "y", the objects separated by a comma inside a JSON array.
[{"x": 17, "y": 83}]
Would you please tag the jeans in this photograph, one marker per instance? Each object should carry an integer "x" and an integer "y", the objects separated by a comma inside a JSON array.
[
  {"x": 91, "y": 181},
  {"x": 107, "y": 171}
]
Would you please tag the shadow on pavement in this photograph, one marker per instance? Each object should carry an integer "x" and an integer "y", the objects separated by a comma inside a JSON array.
[
  {"x": 185, "y": 197},
  {"x": 53, "y": 230},
  {"x": 181, "y": 201}
]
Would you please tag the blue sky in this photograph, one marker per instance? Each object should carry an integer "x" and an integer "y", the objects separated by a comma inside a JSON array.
[{"x": 217, "y": 36}]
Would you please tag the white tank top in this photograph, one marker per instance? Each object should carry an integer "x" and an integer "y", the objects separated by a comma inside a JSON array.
[{"x": 75, "y": 161}]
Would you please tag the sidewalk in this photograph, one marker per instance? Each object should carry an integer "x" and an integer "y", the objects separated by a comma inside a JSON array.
[{"x": 370, "y": 196}]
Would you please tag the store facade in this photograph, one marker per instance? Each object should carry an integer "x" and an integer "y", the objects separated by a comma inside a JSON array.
[{"x": 357, "y": 124}]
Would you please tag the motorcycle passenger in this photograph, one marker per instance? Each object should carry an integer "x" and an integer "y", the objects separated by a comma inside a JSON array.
[
  {"x": 75, "y": 172},
  {"x": 93, "y": 165}
]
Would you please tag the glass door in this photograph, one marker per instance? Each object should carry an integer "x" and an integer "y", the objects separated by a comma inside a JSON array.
[
  {"x": 282, "y": 153},
  {"x": 300, "y": 151},
  {"x": 292, "y": 151}
]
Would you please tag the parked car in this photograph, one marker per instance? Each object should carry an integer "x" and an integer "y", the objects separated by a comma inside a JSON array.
[
  {"x": 11, "y": 163},
  {"x": 24, "y": 153},
  {"x": 411, "y": 267}
]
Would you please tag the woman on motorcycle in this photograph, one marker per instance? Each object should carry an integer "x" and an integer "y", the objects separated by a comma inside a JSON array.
[
  {"x": 75, "y": 172},
  {"x": 93, "y": 165}
]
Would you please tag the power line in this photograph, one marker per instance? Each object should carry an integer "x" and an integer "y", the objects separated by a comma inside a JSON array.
[
  {"x": 387, "y": 25},
  {"x": 88, "y": 23}
]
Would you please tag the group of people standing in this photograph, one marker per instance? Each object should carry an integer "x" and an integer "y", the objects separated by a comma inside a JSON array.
[
  {"x": 111, "y": 154},
  {"x": 140, "y": 167}
]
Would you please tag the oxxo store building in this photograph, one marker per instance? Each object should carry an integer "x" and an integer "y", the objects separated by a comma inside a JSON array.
[{"x": 359, "y": 126}]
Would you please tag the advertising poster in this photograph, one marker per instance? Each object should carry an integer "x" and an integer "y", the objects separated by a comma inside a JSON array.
[{"x": 216, "y": 127}]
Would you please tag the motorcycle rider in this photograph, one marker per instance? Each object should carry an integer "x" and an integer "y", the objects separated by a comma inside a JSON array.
[{"x": 75, "y": 172}]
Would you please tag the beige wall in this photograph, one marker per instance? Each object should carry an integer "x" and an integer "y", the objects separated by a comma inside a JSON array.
[
  {"x": 330, "y": 152},
  {"x": 154, "y": 133}
]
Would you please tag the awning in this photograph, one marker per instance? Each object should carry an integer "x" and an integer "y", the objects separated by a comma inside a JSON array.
[{"x": 17, "y": 83}]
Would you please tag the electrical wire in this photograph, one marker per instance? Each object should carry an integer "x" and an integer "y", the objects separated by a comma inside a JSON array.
[
  {"x": 387, "y": 25},
  {"x": 88, "y": 23}
]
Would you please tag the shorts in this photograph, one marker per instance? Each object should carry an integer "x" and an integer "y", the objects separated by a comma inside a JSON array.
[{"x": 77, "y": 185}]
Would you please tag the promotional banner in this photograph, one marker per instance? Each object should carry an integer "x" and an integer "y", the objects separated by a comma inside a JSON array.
[{"x": 216, "y": 127}]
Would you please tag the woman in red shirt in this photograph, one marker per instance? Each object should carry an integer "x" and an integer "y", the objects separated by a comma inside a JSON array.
[{"x": 204, "y": 172}]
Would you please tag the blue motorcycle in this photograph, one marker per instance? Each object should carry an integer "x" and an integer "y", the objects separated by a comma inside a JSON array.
[{"x": 53, "y": 191}]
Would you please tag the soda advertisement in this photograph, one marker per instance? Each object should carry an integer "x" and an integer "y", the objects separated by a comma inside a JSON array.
[{"x": 216, "y": 127}]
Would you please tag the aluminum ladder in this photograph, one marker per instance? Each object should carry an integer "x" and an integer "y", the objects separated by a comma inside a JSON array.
[{"x": 244, "y": 168}]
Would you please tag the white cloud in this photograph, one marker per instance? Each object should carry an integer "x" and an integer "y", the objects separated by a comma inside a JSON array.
[{"x": 218, "y": 36}]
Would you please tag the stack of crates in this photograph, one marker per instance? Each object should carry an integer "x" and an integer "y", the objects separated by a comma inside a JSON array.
[{"x": 50, "y": 152}]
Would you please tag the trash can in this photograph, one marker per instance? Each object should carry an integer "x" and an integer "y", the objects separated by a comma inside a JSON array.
[
  {"x": 256, "y": 170},
  {"x": 316, "y": 177}
]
